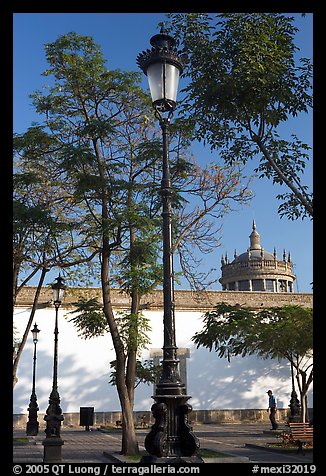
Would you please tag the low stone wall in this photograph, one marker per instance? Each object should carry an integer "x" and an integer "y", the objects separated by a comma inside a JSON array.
[
  {"x": 196, "y": 416},
  {"x": 235, "y": 416}
]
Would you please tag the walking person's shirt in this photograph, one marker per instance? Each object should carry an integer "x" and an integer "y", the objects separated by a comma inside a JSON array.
[{"x": 272, "y": 402}]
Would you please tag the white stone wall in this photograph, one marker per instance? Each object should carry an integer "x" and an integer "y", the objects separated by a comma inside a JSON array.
[{"x": 83, "y": 369}]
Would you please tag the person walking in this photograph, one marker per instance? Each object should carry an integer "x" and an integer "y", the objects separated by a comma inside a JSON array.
[{"x": 272, "y": 409}]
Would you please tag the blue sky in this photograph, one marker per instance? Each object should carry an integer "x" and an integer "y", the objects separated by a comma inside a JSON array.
[{"x": 121, "y": 37}]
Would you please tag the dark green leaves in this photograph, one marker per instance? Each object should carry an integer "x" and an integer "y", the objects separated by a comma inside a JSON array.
[
  {"x": 146, "y": 372},
  {"x": 245, "y": 81},
  {"x": 90, "y": 320},
  {"x": 274, "y": 332}
]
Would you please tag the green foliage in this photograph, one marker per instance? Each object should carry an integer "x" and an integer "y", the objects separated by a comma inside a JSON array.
[
  {"x": 244, "y": 63},
  {"x": 146, "y": 372},
  {"x": 133, "y": 330},
  {"x": 290, "y": 327},
  {"x": 139, "y": 270},
  {"x": 90, "y": 320},
  {"x": 244, "y": 82},
  {"x": 35, "y": 144},
  {"x": 30, "y": 216},
  {"x": 278, "y": 332},
  {"x": 98, "y": 156},
  {"x": 73, "y": 59}
]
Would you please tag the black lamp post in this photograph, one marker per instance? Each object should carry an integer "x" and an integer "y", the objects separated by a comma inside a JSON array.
[
  {"x": 171, "y": 438},
  {"x": 33, "y": 424},
  {"x": 294, "y": 402},
  {"x": 53, "y": 441}
]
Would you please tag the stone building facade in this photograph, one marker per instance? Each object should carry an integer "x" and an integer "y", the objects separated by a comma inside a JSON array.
[{"x": 257, "y": 269}]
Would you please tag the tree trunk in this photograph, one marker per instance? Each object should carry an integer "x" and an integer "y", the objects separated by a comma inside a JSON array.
[
  {"x": 303, "y": 384},
  {"x": 135, "y": 301},
  {"x": 28, "y": 327},
  {"x": 132, "y": 354},
  {"x": 303, "y": 415},
  {"x": 15, "y": 283},
  {"x": 129, "y": 440}
]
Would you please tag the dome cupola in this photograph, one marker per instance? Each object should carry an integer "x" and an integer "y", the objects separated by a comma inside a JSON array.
[
  {"x": 257, "y": 269},
  {"x": 254, "y": 238}
]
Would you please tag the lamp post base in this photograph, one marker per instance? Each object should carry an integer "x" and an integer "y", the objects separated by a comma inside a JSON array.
[
  {"x": 171, "y": 436},
  {"x": 52, "y": 449},
  {"x": 32, "y": 424},
  {"x": 294, "y": 407},
  {"x": 32, "y": 428}
]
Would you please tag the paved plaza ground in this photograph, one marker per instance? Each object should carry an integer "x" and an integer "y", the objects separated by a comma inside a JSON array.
[{"x": 244, "y": 441}]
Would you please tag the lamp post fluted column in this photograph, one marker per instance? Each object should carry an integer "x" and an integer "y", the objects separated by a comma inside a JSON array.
[
  {"x": 171, "y": 438},
  {"x": 53, "y": 441},
  {"x": 33, "y": 424},
  {"x": 170, "y": 362}
]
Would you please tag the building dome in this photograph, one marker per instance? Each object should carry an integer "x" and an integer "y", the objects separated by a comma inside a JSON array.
[
  {"x": 254, "y": 255},
  {"x": 257, "y": 269}
]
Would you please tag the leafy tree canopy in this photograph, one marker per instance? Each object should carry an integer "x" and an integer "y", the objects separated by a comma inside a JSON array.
[
  {"x": 276, "y": 332},
  {"x": 244, "y": 82}
]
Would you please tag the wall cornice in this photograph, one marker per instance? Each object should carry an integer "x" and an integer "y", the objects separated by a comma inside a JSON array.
[{"x": 185, "y": 300}]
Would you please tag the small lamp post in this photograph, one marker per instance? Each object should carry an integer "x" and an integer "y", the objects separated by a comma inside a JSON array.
[
  {"x": 171, "y": 438},
  {"x": 294, "y": 402},
  {"x": 32, "y": 424},
  {"x": 53, "y": 441}
]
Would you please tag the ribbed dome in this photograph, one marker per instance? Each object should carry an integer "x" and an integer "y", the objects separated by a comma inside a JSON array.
[{"x": 254, "y": 255}]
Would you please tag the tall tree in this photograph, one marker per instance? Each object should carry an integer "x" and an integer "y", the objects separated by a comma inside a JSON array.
[
  {"x": 105, "y": 156},
  {"x": 85, "y": 111},
  {"x": 276, "y": 333},
  {"x": 244, "y": 83},
  {"x": 47, "y": 228}
]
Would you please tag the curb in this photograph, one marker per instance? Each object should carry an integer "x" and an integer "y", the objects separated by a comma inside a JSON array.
[
  {"x": 115, "y": 459},
  {"x": 230, "y": 459},
  {"x": 277, "y": 450}
]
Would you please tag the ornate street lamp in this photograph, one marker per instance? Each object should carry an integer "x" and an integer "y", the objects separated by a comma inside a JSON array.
[
  {"x": 32, "y": 424},
  {"x": 171, "y": 438},
  {"x": 53, "y": 441}
]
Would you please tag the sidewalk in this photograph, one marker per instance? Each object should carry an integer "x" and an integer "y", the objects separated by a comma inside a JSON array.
[
  {"x": 243, "y": 441},
  {"x": 80, "y": 446}
]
